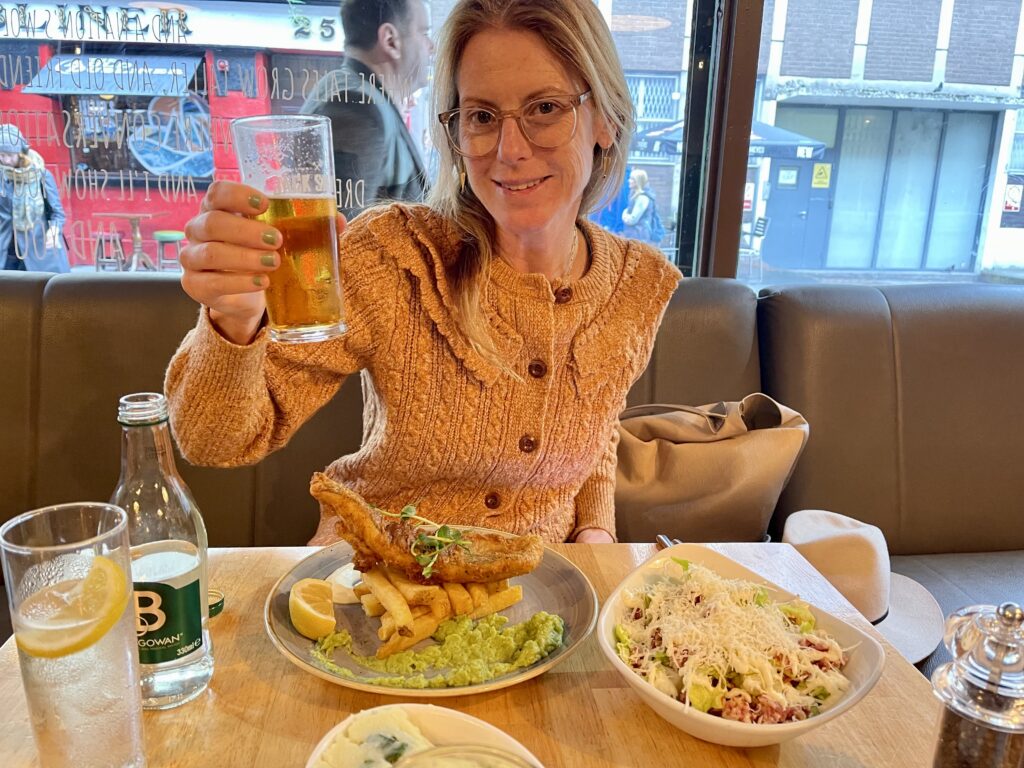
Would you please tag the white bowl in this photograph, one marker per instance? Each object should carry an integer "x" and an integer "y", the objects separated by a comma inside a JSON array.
[
  {"x": 863, "y": 669},
  {"x": 442, "y": 727}
]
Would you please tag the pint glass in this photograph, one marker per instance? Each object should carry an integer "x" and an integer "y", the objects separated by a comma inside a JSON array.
[
  {"x": 68, "y": 574},
  {"x": 289, "y": 158}
]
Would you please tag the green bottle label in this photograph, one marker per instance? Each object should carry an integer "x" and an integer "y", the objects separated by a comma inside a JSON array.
[{"x": 168, "y": 621}]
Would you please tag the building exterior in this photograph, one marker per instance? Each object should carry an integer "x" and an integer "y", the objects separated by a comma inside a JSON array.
[
  {"x": 130, "y": 106},
  {"x": 916, "y": 104}
]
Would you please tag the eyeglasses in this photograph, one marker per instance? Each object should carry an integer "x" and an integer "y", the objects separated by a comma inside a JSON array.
[{"x": 547, "y": 122}]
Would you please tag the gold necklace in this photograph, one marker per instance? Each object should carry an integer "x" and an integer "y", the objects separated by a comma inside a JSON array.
[
  {"x": 572, "y": 258},
  {"x": 575, "y": 248}
]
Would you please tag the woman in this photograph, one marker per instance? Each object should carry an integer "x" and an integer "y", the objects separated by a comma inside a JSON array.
[
  {"x": 638, "y": 216},
  {"x": 497, "y": 330},
  {"x": 31, "y": 216}
]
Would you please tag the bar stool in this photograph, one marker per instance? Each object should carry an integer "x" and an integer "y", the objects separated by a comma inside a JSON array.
[
  {"x": 164, "y": 238},
  {"x": 108, "y": 252}
]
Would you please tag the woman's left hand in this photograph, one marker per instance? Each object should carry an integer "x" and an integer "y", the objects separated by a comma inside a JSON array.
[{"x": 594, "y": 536}]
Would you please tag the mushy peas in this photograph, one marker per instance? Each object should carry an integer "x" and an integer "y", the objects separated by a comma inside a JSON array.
[{"x": 467, "y": 652}]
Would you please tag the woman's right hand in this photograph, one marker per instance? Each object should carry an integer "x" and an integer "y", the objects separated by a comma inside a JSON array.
[{"x": 228, "y": 258}]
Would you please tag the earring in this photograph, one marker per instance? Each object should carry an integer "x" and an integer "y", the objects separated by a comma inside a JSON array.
[
  {"x": 606, "y": 155},
  {"x": 460, "y": 172}
]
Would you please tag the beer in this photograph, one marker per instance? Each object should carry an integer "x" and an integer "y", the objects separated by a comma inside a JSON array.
[
  {"x": 303, "y": 294},
  {"x": 289, "y": 159}
]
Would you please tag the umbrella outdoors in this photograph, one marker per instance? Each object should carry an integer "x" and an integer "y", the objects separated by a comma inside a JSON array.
[{"x": 765, "y": 141}]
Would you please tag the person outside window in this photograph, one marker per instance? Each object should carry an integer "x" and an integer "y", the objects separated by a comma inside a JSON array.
[
  {"x": 497, "y": 330},
  {"x": 638, "y": 217},
  {"x": 387, "y": 55},
  {"x": 31, "y": 215}
]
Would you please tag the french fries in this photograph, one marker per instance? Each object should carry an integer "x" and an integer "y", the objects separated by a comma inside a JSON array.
[
  {"x": 423, "y": 627},
  {"x": 461, "y": 601},
  {"x": 442, "y": 606},
  {"x": 499, "y": 601},
  {"x": 371, "y": 605},
  {"x": 410, "y": 612},
  {"x": 387, "y": 622},
  {"x": 479, "y": 594},
  {"x": 391, "y": 599},
  {"x": 414, "y": 594}
]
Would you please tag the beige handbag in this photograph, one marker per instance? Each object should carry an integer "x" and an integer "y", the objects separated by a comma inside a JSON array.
[{"x": 712, "y": 473}]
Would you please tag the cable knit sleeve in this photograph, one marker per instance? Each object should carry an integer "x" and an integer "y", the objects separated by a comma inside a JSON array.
[
  {"x": 232, "y": 405},
  {"x": 595, "y": 503}
]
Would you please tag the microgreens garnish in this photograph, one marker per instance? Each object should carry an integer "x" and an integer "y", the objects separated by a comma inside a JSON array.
[{"x": 427, "y": 547}]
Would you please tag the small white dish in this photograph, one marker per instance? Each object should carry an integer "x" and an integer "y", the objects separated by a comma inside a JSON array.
[
  {"x": 863, "y": 669},
  {"x": 442, "y": 727}
]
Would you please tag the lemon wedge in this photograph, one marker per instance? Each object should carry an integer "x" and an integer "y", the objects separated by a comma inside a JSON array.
[
  {"x": 311, "y": 608},
  {"x": 71, "y": 616}
]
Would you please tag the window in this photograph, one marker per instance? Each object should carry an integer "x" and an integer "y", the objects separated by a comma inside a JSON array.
[
  {"x": 1016, "y": 164},
  {"x": 916, "y": 164},
  {"x": 129, "y": 107}
]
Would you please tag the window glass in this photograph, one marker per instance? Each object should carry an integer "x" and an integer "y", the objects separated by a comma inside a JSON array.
[
  {"x": 913, "y": 164},
  {"x": 959, "y": 189},
  {"x": 128, "y": 107},
  {"x": 908, "y": 189},
  {"x": 857, "y": 189}
]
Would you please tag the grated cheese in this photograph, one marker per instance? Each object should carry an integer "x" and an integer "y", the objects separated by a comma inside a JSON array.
[{"x": 722, "y": 646}]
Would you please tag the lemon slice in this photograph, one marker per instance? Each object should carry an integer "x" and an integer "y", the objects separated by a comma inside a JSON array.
[
  {"x": 71, "y": 616},
  {"x": 311, "y": 608}
]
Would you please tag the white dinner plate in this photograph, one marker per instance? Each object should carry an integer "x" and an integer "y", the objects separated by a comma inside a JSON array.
[
  {"x": 556, "y": 586},
  {"x": 863, "y": 668},
  {"x": 442, "y": 727}
]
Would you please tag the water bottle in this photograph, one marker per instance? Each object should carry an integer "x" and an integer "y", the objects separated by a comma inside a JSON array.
[
  {"x": 168, "y": 549},
  {"x": 982, "y": 725}
]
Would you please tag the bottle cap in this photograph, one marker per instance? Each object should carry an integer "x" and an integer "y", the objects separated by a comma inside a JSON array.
[
  {"x": 985, "y": 681},
  {"x": 216, "y": 598},
  {"x": 141, "y": 409}
]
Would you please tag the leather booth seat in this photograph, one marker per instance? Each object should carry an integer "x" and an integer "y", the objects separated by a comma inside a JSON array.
[
  {"x": 912, "y": 395},
  {"x": 910, "y": 392}
]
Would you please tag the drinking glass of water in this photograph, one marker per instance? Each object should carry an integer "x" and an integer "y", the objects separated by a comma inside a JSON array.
[{"x": 68, "y": 577}]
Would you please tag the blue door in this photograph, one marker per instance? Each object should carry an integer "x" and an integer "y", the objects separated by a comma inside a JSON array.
[{"x": 798, "y": 212}]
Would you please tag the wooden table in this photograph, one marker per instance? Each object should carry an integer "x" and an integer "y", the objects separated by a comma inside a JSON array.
[
  {"x": 139, "y": 257},
  {"x": 261, "y": 710}
]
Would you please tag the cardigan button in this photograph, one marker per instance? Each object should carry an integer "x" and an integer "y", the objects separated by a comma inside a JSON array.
[
  {"x": 492, "y": 500},
  {"x": 563, "y": 295},
  {"x": 527, "y": 444},
  {"x": 537, "y": 369}
]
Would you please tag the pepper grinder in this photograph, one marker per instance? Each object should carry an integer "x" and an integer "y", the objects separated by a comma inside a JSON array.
[{"x": 982, "y": 725}]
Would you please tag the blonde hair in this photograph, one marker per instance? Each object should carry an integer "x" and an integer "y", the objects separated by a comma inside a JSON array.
[
  {"x": 577, "y": 35},
  {"x": 641, "y": 180}
]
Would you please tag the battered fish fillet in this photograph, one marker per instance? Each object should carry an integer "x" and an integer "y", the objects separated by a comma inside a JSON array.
[{"x": 377, "y": 538}]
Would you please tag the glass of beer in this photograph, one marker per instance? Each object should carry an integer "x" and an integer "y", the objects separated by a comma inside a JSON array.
[{"x": 290, "y": 159}]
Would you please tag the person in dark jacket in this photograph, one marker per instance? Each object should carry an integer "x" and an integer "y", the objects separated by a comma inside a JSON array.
[
  {"x": 638, "y": 217},
  {"x": 387, "y": 54},
  {"x": 31, "y": 215}
]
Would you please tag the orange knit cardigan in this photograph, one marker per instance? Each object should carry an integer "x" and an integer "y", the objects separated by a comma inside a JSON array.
[{"x": 442, "y": 426}]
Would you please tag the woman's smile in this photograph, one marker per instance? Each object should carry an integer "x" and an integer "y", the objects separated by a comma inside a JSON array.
[{"x": 520, "y": 188}]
